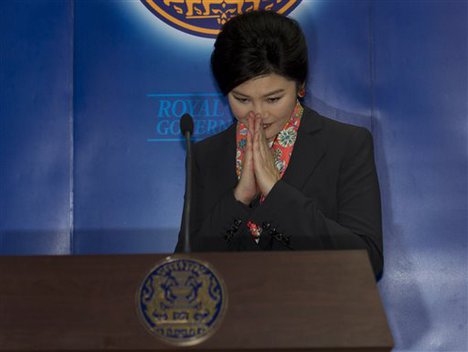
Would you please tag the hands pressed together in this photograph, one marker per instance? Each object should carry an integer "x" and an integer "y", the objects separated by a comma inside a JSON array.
[{"x": 259, "y": 173}]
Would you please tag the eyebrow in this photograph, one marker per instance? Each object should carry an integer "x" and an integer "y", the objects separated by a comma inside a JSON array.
[{"x": 281, "y": 90}]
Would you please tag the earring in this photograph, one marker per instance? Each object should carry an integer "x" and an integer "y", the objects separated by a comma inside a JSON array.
[{"x": 301, "y": 93}]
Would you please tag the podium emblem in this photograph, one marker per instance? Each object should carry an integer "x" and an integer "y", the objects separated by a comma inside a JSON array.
[{"x": 182, "y": 301}]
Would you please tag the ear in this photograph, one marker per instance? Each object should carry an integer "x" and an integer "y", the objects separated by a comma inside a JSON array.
[{"x": 301, "y": 90}]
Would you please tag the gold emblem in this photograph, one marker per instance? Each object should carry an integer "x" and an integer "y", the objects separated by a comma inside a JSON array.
[
  {"x": 182, "y": 301},
  {"x": 205, "y": 17}
]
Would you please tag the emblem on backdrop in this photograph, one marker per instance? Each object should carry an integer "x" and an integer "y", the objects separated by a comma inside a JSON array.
[
  {"x": 205, "y": 17},
  {"x": 182, "y": 301}
]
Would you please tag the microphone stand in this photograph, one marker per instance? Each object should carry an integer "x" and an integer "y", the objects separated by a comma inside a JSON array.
[
  {"x": 188, "y": 192},
  {"x": 186, "y": 127}
]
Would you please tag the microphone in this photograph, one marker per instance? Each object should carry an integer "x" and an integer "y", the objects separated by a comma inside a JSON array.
[
  {"x": 186, "y": 124},
  {"x": 186, "y": 127}
]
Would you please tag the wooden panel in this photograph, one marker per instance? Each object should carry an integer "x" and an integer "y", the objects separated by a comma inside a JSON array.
[{"x": 277, "y": 301}]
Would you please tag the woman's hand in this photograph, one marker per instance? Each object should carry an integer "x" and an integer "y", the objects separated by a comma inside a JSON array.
[
  {"x": 247, "y": 189},
  {"x": 264, "y": 167}
]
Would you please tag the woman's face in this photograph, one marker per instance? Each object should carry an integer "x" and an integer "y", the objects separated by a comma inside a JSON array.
[{"x": 272, "y": 96}]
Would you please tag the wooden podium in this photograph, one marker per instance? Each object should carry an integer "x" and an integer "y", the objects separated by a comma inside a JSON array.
[{"x": 278, "y": 301}]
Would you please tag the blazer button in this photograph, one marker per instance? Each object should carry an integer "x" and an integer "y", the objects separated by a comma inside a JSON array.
[
  {"x": 266, "y": 226},
  {"x": 229, "y": 235}
]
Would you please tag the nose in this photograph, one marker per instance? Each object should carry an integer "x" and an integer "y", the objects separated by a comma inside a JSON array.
[{"x": 259, "y": 108}]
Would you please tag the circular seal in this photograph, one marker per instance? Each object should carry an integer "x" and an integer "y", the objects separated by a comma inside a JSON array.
[
  {"x": 182, "y": 301},
  {"x": 205, "y": 17}
]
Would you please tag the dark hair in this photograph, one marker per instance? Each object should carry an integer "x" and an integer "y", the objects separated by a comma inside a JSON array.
[{"x": 257, "y": 43}]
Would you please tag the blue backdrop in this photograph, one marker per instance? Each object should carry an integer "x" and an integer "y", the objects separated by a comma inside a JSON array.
[{"x": 91, "y": 160}]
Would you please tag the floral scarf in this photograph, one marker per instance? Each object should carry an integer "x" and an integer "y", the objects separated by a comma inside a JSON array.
[{"x": 282, "y": 148}]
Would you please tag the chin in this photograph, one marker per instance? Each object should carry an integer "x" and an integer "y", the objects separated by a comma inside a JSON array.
[{"x": 271, "y": 136}]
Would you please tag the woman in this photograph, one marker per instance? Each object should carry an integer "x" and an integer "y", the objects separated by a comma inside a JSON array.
[{"x": 283, "y": 177}]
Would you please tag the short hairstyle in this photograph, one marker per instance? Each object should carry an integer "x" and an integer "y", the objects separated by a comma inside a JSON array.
[{"x": 257, "y": 43}]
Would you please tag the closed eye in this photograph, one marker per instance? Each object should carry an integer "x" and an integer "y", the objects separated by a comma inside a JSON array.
[
  {"x": 241, "y": 100},
  {"x": 272, "y": 100}
]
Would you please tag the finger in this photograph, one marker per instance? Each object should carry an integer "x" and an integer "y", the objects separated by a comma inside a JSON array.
[
  {"x": 264, "y": 148},
  {"x": 254, "y": 133},
  {"x": 248, "y": 152},
  {"x": 251, "y": 122},
  {"x": 260, "y": 140},
  {"x": 261, "y": 133},
  {"x": 249, "y": 143},
  {"x": 261, "y": 130},
  {"x": 257, "y": 122},
  {"x": 256, "y": 144},
  {"x": 267, "y": 157}
]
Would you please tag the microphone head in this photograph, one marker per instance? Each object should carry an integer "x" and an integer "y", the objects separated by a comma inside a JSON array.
[{"x": 186, "y": 124}]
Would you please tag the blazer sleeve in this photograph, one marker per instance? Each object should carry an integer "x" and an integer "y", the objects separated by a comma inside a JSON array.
[{"x": 298, "y": 220}]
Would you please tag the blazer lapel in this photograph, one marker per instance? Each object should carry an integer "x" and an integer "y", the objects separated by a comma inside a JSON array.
[{"x": 308, "y": 150}]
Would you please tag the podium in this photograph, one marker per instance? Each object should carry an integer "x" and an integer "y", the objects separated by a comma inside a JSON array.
[{"x": 278, "y": 301}]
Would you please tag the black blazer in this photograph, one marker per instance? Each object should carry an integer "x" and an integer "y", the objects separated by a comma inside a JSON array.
[{"x": 328, "y": 197}]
